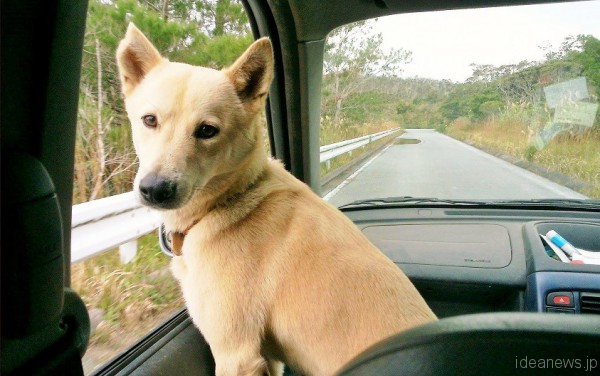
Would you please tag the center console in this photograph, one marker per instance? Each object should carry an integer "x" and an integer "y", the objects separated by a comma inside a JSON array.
[
  {"x": 553, "y": 285},
  {"x": 471, "y": 260}
]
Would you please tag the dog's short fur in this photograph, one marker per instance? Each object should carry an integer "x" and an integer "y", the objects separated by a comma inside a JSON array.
[{"x": 270, "y": 272}]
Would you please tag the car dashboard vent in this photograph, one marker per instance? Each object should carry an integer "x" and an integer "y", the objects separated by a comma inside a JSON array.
[{"x": 590, "y": 302}]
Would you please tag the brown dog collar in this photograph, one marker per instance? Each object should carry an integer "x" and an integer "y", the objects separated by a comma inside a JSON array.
[
  {"x": 171, "y": 243},
  {"x": 177, "y": 242}
]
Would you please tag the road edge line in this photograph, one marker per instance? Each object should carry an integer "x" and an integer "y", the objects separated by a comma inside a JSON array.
[{"x": 336, "y": 190}]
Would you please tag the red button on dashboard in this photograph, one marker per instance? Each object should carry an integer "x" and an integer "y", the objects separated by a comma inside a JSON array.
[{"x": 562, "y": 300}]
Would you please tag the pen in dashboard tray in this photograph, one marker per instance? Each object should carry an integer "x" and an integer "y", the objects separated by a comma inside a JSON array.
[{"x": 562, "y": 243}]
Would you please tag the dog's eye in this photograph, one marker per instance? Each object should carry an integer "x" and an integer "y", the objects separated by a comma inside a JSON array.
[
  {"x": 150, "y": 121},
  {"x": 206, "y": 131}
]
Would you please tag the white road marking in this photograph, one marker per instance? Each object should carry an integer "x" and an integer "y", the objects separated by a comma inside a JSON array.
[
  {"x": 533, "y": 178},
  {"x": 335, "y": 190}
]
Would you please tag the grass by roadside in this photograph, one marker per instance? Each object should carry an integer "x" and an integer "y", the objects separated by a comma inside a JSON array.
[
  {"x": 125, "y": 301},
  {"x": 577, "y": 157}
]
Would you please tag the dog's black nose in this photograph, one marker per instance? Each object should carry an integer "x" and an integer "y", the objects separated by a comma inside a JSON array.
[{"x": 157, "y": 190}]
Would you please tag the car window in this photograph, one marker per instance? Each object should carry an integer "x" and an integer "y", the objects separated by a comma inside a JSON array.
[
  {"x": 117, "y": 265},
  {"x": 480, "y": 104}
]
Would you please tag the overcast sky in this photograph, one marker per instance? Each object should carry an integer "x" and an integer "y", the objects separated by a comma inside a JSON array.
[{"x": 444, "y": 44}]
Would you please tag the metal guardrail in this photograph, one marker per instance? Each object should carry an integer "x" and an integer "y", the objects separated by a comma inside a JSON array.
[
  {"x": 118, "y": 221},
  {"x": 331, "y": 151},
  {"x": 106, "y": 223}
]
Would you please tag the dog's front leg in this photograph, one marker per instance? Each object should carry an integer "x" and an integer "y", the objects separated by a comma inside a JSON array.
[
  {"x": 275, "y": 367},
  {"x": 242, "y": 361}
]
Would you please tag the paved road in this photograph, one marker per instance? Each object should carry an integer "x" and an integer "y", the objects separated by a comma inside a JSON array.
[{"x": 440, "y": 166}]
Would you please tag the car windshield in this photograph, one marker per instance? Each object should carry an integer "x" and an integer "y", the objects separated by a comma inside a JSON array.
[{"x": 479, "y": 104}]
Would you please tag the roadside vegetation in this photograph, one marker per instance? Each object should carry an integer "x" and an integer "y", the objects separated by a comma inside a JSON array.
[
  {"x": 505, "y": 110},
  {"x": 571, "y": 160},
  {"x": 125, "y": 301}
]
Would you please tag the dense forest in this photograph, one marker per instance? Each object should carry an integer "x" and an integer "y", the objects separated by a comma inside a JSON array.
[{"x": 362, "y": 91}]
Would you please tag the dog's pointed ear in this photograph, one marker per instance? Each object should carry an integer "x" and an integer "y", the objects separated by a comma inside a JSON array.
[
  {"x": 136, "y": 56},
  {"x": 251, "y": 73}
]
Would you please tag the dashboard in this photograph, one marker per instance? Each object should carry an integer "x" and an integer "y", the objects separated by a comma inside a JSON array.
[{"x": 473, "y": 260}]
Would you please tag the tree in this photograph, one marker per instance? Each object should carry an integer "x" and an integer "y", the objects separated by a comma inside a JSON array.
[
  {"x": 212, "y": 17},
  {"x": 353, "y": 53},
  {"x": 589, "y": 59}
]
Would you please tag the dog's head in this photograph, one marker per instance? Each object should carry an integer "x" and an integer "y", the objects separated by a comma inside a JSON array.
[{"x": 190, "y": 125}]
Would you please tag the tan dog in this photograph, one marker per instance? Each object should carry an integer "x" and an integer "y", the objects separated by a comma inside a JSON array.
[{"x": 270, "y": 272}]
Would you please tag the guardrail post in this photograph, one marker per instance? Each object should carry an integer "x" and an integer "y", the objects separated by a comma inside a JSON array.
[{"x": 128, "y": 251}]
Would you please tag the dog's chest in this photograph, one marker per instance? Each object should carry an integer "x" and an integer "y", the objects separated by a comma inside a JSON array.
[
  {"x": 211, "y": 278},
  {"x": 199, "y": 287}
]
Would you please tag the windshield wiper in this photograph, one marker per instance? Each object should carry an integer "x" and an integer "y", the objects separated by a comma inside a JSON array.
[
  {"x": 409, "y": 200},
  {"x": 387, "y": 201},
  {"x": 555, "y": 202}
]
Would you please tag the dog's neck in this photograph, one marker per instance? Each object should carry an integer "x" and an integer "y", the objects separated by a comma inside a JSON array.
[{"x": 221, "y": 191}]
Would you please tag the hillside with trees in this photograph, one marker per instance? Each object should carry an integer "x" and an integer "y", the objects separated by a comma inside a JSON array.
[{"x": 362, "y": 84}]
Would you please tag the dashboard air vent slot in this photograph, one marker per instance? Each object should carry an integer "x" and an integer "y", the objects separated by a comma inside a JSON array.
[{"x": 590, "y": 302}]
